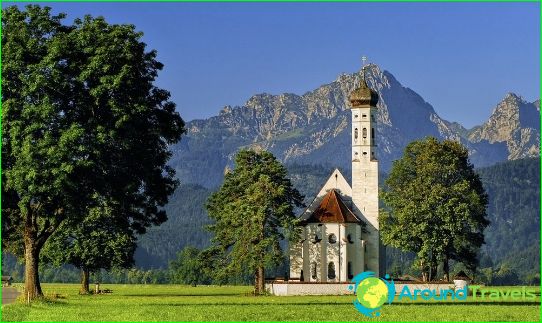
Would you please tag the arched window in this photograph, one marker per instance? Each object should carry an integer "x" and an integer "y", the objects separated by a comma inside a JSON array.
[
  {"x": 332, "y": 238},
  {"x": 314, "y": 273},
  {"x": 350, "y": 274},
  {"x": 364, "y": 134},
  {"x": 331, "y": 270},
  {"x": 356, "y": 134},
  {"x": 373, "y": 133}
]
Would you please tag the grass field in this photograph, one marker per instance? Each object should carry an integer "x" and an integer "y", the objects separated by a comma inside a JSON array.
[{"x": 234, "y": 303}]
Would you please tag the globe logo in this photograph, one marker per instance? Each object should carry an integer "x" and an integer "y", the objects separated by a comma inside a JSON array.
[{"x": 371, "y": 293}]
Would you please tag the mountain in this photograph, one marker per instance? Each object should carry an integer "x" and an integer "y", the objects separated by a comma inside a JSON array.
[
  {"x": 514, "y": 122},
  {"x": 314, "y": 128}
]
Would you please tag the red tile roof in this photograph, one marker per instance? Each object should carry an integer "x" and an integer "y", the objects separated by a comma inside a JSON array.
[{"x": 332, "y": 210}]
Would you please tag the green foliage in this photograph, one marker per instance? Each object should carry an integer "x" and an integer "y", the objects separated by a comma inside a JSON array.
[
  {"x": 95, "y": 243},
  {"x": 253, "y": 212},
  {"x": 83, "y": 126},
  {"x": 513, "y": 238},
  {"x": 188, "y": 268},
  {"x": 436, "y": 205}
]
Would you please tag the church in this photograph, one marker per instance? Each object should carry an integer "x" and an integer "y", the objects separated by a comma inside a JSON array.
[{"x": 340, "y": 233}]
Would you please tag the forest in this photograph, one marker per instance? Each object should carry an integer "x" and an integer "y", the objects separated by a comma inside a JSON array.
[{"x": 510, "y": 255}]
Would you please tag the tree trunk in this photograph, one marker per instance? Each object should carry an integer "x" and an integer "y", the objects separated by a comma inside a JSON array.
[
  {"x": 32, "y": 286},
  {"x": 424, "y": 270},
  {"x": 259, "y": 281},
  {"x": 85, "y": 275},
  {"x": 446, "y": 269},
  {"x": 433, "y": 271}
]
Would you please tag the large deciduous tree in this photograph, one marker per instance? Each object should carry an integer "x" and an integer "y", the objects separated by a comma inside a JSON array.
[
  {"x": 252, "y": 211},
  {"x": 82, "y": 122},
  {"x": 436, "y": 206},
  {"x": 102, "y": 240}
]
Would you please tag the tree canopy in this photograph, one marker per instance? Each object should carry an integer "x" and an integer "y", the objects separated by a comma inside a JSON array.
[
  {"x": 436, "y": 205},
  {"x": 188, "y": 268},
  {"x": 102, "y": 240},
  {"x": 82, "y": 124},
  {"x": 253, "y": 211}
]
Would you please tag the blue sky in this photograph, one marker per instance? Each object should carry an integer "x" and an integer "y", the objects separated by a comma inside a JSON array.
[{"x": 460, "y": 57}]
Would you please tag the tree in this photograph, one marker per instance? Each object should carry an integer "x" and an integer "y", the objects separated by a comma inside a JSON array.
[
  {"x": 82, "y": 122},
  {"x": 188, "y": 268},
  {"x": 253, "y": 211},
  {"x": 100, "y": 241},
  {"x": 436, "y": 206}
]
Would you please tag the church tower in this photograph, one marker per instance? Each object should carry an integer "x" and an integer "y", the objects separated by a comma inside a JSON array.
[
  {"x": 363, "y": 102},
  {"x": 340, "y": 236}
]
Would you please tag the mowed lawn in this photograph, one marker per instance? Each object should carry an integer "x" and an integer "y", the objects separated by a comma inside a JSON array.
[{"x": 234, "y": 303}]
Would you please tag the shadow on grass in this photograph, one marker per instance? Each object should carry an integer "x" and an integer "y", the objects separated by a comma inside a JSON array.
[
  {"x": 346, "y": 304},
  {"x": 185, "y": 295}
]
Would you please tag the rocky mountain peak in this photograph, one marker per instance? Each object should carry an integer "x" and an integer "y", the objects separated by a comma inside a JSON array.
[
  {"x": 314, "y": 128},
  {"x": 514, "y": 122}
]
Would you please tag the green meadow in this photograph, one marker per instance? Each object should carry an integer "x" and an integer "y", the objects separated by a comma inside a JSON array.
[{"x": 234, "y": 303}]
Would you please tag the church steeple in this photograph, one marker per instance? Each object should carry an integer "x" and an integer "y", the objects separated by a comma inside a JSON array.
[{"x": 363, "y": 101}]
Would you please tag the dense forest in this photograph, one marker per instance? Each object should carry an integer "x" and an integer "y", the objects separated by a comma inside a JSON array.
[
  {"x": 513, "y": 237},
  {"x": 511, "y": 254}
]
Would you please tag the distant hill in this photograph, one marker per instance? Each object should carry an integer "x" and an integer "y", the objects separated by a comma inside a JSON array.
[
  {"x": 185, "y": 227},
  {"x": 512, "y": 239}
]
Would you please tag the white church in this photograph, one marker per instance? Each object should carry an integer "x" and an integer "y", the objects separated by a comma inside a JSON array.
[{"x": 340, "y": 235}]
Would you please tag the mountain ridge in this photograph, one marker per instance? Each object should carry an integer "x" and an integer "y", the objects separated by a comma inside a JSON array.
[{"x": 314, "y": 128}]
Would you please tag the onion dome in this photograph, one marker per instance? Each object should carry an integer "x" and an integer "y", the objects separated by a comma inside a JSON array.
[{"x": 363, "y": 95}]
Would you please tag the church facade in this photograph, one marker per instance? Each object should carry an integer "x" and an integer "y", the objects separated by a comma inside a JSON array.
[{"x": 340, "y": 232}]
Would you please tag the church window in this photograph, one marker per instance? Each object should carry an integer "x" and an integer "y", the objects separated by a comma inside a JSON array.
[
  {"x": 356, "y": 134},
  {"x": 331, "y": 270},
  {"x": 373, "y": 133},
  {"x": 349, "y": 237},
  {"x": 314, "y": 273},
  {"x": 332, "y": 238},
  {"x": 350, "y": 272},
  {"x": 364, "y": 133}
]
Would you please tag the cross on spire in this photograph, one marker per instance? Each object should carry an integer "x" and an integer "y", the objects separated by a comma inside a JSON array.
[{"x": 363, "y": 66}]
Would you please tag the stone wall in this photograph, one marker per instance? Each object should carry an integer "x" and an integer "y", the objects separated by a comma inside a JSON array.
[{"x": 291, "y": 289}]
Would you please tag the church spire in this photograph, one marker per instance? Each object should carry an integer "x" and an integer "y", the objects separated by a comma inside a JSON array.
[{"x": 363, "y": 95}]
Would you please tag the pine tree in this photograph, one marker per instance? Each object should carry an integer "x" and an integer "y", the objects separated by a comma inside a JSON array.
[{"x": 253, "y": 211}]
